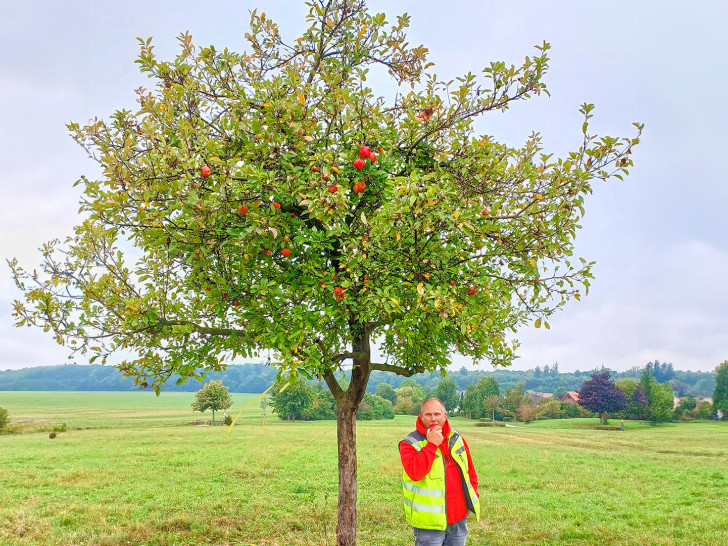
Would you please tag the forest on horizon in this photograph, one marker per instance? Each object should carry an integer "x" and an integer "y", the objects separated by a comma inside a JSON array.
[{"x": 256, "y": 378}]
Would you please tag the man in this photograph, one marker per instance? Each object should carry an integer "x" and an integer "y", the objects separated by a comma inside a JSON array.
[{"x": 439, "y": 482}]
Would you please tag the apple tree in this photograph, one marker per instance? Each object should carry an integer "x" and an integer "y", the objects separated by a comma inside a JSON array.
[{"x": 270, "y": 200}]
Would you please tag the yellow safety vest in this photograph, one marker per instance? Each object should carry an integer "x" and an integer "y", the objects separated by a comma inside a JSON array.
[{"x": 424, "y": 500}]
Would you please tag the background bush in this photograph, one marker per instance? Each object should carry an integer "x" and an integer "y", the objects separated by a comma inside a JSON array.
[{"x": 4, "y": 419}]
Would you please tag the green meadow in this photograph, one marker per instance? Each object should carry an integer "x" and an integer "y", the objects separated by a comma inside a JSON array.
[{"x": 130, "y": 469}]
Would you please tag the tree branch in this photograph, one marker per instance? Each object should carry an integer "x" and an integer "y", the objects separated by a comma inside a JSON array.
[{"x": 396, "y": 369}]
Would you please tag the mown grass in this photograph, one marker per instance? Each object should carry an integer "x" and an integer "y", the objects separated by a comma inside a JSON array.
[{"x": 131, "y": 470}]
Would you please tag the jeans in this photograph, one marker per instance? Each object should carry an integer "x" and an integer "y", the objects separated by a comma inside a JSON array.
[{"x": 454, "y": 535}]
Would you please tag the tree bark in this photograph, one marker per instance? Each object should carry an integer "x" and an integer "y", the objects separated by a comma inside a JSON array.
[
  {"x": 347, "y": 403},
  {"x": 346, "y": 517}
]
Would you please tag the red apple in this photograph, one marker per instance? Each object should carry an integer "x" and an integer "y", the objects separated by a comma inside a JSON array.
[
  {"x": 364, "y": 152},
  {"x": 205, "y": 171},
  {"x": 314, "y": 168},
  {"x": 243, "y": 210},
  {"x": 237, "y": 303},
  {"x": 276, "y": 205},
  {"x": 286, "y": 252},
  {"x": 359, "y": 164},
  {"x": 293, "y": 215},
  {"x": 373, "y": 157},
  {"x": 471, "y": 291},
  {"x": 485, "y": 212},
  {"x": 452, "y": 283},
  {"x": 333, "y": 189}
]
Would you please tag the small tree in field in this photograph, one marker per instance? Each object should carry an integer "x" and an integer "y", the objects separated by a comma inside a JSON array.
[
  {"x": 213, "y": 396},
  {"x": 475, "y": 395},
  {"x": 272, "y": 201},
  {"x": 513, "y": 399},
  {"x": 720, "y": 394},
  {"x": 602, "y": 396},
  {"x": 660, "y": 401},
  {"x": 491, "y": 404}
]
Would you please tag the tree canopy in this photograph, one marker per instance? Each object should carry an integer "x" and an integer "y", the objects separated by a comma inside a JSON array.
[
  {"x": 602, "y": 396},
  {"x": 660, "y": 401},
  {"x": 227, "y": 221},
  {"x": 213, "y": 396},
  {"x": 720, "y": 395}
]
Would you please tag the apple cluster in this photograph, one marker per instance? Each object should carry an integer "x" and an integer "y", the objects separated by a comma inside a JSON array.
[{"x": 364, "y": 154}]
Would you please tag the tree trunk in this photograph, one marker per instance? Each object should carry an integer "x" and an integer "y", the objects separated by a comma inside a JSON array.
[
  {"x": 347, "y": 403},
  {"x": 346, "y": 517}
]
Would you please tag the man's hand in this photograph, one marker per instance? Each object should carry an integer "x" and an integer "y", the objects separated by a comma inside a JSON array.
[{"x": 434, "y": 435}]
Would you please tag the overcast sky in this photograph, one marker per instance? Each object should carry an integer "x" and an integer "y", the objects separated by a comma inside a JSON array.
[{"x": 660, "y": 238}]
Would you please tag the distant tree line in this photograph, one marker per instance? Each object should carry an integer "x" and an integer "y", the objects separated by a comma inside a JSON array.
[
  {"x": 244, "y": 378},
  {"x": 255, "y": 378}
]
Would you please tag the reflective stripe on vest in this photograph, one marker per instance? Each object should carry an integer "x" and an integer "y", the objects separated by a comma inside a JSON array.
[{"x": 424, "y": 500}]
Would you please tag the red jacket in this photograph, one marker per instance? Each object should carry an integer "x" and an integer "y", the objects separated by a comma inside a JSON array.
[{"x": 417, "y": 465}]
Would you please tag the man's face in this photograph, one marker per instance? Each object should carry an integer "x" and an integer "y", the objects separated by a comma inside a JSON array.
[{"x": 433, "y": 414}]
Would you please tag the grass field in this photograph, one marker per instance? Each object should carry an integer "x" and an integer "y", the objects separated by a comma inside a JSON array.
[{"x": 132, "y": 470}]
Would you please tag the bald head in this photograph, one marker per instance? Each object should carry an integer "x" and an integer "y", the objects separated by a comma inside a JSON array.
[{"x": 430, "y": 402}]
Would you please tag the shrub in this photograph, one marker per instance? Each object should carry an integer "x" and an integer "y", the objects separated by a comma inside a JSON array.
[
  {"x": 322, "y": 406},
  {"x": 365, "y": 412},
  {"x": 4, "y": 419},
  {"x": 403, "y": 405},
  {"x": 227, "y": 421},
  {"x": 550, "y": 409},
  {"x": 52, "y": 435},
  {"x": 306, "y": 415},
  {"x": 607, "y": 427},
  {"x": 382, "y": 408},
  {"x": 485, "y": 420},
  {"x": 527, "y": 412}
]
